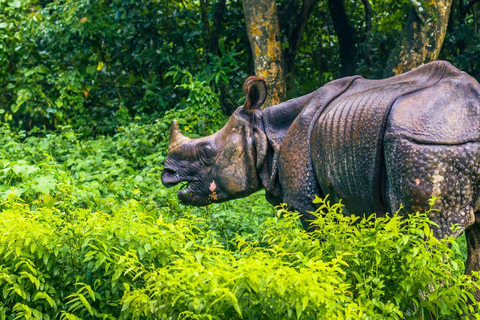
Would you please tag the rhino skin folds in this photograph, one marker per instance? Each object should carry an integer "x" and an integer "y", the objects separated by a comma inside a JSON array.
[{"x": 375, "y": 144}]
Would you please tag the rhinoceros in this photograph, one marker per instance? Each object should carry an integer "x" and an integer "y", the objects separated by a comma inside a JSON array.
[{"x": 375, "y": 144}]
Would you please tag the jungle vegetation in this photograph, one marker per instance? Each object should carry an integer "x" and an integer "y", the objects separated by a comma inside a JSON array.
[{"x": 88, "y": 89}]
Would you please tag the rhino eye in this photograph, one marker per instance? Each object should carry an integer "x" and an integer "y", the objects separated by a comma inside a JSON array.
[{"x": 206, "y": 154}]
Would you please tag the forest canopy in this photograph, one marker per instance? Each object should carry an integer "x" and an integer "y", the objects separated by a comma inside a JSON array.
[{"x": 96, "y": 65}]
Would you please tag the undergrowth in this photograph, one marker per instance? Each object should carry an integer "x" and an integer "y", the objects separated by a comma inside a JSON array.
[{"x": 88, "y": 232}]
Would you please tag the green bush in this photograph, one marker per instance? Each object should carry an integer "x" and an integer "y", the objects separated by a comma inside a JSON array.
[
  {"x": 87, "y": 231},
  {"x": 96, "y": 65}
]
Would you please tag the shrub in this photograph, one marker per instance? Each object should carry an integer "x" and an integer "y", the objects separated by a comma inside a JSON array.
[
  {"x": 86, "y": 231},
  {"x": 133, "y": 263}
]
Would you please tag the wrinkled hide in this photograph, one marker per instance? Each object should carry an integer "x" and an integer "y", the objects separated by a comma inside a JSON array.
[
  {"x": 374, "y": 144},
  {"x": 222, "y": 166},
  {"x": 366, "y": 140}
]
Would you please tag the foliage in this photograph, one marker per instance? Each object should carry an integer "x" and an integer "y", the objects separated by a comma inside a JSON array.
[
  {"x": 97, "y": 64},
  {"x": 15, "y": 20},
  {"x": 86, "y": 231},
  {"x": 389, "y": 262},
  {"x": 462, "y": 43},
  {"x": 200, "y": 113}
]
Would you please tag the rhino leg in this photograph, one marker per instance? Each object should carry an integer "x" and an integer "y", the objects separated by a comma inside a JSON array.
[
  {"x": 473, "y": 249},
  {"x": 418, "y": 172}
]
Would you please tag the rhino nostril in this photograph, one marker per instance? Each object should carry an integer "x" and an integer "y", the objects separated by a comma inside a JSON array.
[
  {"x": 170, "y": 177},
  {"x": 170, "y": 170}
]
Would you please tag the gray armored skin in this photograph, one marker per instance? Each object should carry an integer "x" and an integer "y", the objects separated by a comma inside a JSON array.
[{"x": 375, "y": 144}]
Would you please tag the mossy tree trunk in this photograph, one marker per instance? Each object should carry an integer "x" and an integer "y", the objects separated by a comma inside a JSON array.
[
  {"x": 422, "y": 37},
  {"x": 263, "y": 31}
]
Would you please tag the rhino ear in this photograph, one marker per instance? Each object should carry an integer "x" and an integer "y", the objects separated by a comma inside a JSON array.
[{"x": 256, "y": 91}]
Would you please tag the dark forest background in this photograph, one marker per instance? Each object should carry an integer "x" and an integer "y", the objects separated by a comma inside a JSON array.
[{"x": 96, "y": 64}]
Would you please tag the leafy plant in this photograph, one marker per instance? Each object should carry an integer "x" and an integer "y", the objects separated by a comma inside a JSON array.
[{"x": 87, "y": 232}]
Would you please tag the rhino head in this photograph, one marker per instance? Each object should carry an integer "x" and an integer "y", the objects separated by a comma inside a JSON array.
[{"x": 224, "y": 165}]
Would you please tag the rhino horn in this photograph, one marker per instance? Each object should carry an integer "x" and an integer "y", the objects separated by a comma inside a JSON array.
[{"x": 176, "y": 136}]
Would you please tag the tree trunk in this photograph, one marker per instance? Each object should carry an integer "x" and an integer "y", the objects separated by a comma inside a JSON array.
[
  {"x": 293, "y": 20},
  {"x": 346, "y": 36},
  {"x": 207, "y": 33},
  {"x": 217, "y": 25},
  {"x": 422, "y": 37},
  {"x": 211, "y": 39},
  {"x": 264, "y": 35}
]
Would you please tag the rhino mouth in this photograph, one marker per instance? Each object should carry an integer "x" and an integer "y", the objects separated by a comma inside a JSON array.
[
  {"x": 170, "y": 178},
  {"x": 188, "y": 194},
  {"x": 190, "y": 188}
]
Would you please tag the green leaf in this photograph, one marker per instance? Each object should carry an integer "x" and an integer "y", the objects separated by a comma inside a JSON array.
[
  {"x": 44, "y": 184},
  {"x": 24, "y": 169},
  {"x": 85, "y": 303},
  {"x": 234, "y": 301},
  {"x": 15, "y": 3},
  {"x": 15, "y": 107},
  {"x": 45, "y": 296},
  {"x": 90, "y": 70}
]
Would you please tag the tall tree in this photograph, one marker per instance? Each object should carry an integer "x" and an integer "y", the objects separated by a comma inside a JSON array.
[
  {"x": 263, "y": 30},
  {"x": 346, "y": 36},
  {"x": 293, "y": 19},
  {"x": 211, "y": 37},
  {"x": 422, "y": 37}
]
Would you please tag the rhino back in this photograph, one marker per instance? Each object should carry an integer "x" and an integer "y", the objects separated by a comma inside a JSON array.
[
  {"x": 432, "y": 150},
  {"x": 447, "y": 113},
  {"x": 347, "y": 139}
]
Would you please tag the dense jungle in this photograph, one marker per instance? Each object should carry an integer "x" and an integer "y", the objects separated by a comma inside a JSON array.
[{"x": 88, "y": 90}]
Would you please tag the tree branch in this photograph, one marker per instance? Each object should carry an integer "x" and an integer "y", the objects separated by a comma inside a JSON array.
[{"x": 368, "y": 16}]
